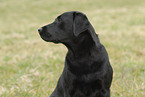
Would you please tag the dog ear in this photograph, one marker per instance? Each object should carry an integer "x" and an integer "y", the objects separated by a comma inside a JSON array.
[{"x": 80, "y": 23}]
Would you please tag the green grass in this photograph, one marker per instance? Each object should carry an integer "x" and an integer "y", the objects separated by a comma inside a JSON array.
[{"x": 30, "y": 67}]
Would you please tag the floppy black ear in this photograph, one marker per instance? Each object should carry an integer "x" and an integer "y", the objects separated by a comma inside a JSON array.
[{"x": 80, "y": 23}]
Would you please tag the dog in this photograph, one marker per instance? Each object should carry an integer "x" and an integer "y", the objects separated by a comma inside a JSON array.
[{"x": 87, "y": 71}]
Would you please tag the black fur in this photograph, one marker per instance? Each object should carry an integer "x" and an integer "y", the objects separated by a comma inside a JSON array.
[{"x": 87, "y": 71}]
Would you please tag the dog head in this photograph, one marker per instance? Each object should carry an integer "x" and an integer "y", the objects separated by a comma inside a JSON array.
[{"x": 67, "y": 27}]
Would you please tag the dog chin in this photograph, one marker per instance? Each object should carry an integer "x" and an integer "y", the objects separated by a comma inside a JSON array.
[
  {"x": 55, "y": 41},
  {"x": 50, "y": 40},
  {"x": 44, "y": 38}
]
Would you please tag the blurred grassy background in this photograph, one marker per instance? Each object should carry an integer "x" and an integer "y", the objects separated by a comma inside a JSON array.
[{"x": 30, "y": 67}]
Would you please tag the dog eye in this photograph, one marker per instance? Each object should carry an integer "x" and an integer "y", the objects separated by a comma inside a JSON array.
[{"x": 59, "y": 20}]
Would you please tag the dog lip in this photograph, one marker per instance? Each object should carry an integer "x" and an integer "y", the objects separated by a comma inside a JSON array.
[
  {"x": 55, "y": 41},
  {"x": 45, "y": 34},
  {"x": 49, "y": 35}
]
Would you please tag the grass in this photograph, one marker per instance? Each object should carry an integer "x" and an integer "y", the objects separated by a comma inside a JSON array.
[{"x": 30, "y": 67}]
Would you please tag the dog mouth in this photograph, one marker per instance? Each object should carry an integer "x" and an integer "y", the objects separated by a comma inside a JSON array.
[
  {"x": 45, "y": 36},
  {"x": 48, "y": 38}
]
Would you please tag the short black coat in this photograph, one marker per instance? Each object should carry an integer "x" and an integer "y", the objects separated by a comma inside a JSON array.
[{"x": 87, "y": 71}]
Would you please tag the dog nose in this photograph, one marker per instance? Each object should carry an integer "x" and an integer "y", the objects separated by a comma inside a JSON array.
[{"x": 39, "y": 30}]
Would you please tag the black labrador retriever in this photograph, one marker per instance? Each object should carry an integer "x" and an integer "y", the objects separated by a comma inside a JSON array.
[{"x": 87, "y": 71}]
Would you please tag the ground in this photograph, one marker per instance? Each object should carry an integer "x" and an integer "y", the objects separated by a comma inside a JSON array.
[{"x": 30, "y": 67}]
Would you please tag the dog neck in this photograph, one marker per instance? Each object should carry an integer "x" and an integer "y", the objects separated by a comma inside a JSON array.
[
  {"x": 82, "y": 52},
  {"x": 81, "y": 46}
]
